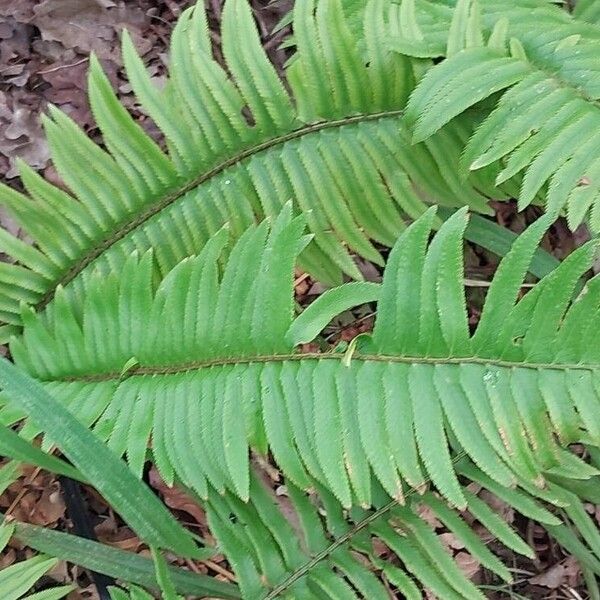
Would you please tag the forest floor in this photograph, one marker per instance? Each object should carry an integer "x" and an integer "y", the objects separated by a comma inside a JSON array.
[{"x": 44, "y": 50}]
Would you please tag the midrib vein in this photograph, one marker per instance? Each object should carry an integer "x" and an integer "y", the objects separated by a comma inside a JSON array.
[
  {"x": 278, "y": 358},
  {"x": 140, "y": 218}
]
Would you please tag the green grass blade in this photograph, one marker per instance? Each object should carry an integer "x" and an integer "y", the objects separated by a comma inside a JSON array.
[
  {"x": 138, "y": 506},
  {"x": 52, "y": 594},
  {"x": 17, "y": 579},
  {"x": 15, "y": 447},
  {"x": 117, "y": 563},
  {"x": 497, "y": 239},
  {"x": 165, "y": 581}
]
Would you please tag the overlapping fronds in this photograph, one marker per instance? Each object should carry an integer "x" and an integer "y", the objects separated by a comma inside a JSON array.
[
  {"x": 299, "y": 545},
  {"x": 240, "y": 142},
  {"x": 432, "y": 29},
  {"x": 309, "y": 557},
  {"x": 205, "y": 366},
  {"x": 543, "y": 63},
  {"x": 168, "y": 322},
  {"x": 164, "y": 580}
]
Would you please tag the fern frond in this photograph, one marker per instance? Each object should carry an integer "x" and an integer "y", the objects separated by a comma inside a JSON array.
[
  {"x": 546, "y": 118},
  {"x": 240, "y": 143},
  {"x": 334, "y": 557},
  {"x": 587, "y": 10},
  {"x": 203, "y": 365},
  {"x": 425, "y": 24},
  {"x": 295, "y": 544},
  {"x": 208, "y": 350}
]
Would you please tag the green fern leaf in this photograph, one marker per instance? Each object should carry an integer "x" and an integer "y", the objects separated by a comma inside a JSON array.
[
  {"x": 546, "y": 117},
  {"x": 327, "y": 552},
  {"x": 238, "y": 383},
  {"x": 133, "y": 593},
  {"x": 239, "y": 145},
  {"x": 587, "y": 10}
]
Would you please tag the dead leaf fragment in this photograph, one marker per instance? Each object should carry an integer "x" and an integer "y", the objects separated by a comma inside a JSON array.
[
  {"x": 74, "y": 23},
  {"x": 552, "y": 578},
  {"x": 49, "y": 508},
  {"x": 89, "y": 25},
  {"x": 176, "y": 499},
  {"x": 21, "y": 135},
  {"x": 467, "y": 564}
]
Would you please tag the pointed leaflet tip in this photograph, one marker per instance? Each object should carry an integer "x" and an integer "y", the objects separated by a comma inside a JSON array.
[
  {"x": 498, "y": 37},
  {"x": 126, "y": 39},
  {"x": 458, "y": 27},
  {"x": 280, "y": 221},
  {"x": 130, "y": 364},
  {"x": 333, "y": 302},
  {"x": 94, "y": 61},
  {"x": 473, "y": 32},
  {"x": 54, "y": 112},
  {"x": 396, "y": 324},
  {"x": 479, "y": 163},
  {"x": 517, "y": 50},
  {"x": 507, "y": 282},
  {"x": 409, "y": 26}
]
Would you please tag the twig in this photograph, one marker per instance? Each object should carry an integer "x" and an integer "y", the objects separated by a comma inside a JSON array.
[
  {"x": 219, "y": 569},
  {"x": 23, "y": 490},
  {"x": 60, "y": 67},
  {"x": 300, "y": 279},
  {"x": 485, "y": 284}
]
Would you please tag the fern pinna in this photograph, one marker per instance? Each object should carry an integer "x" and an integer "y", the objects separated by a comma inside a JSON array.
[
  {"x": 538, "y": 67},
  {"x": 157, "y": 305},
  {"x": 205, "y": 366},
  {"x": 331, "y": 138}
]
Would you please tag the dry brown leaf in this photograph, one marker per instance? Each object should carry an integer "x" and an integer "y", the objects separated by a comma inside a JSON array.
[
  {"x": 7, "y": 557},
  {"x": 21, "y": 136},
  {"x": 89, "y": 25},
  {"x": 80, "y": 24},
  {"x": 467, "y": 564},
  {"x": 572, "y": 571},
  {"x": 176, "y": 499},
  {"x": 20, "y": 10},
  {"x": 8, "y": 223},
  {"x": 552, "y": 578},
  {"x": 500, "y": 507},
  {"x": 122, "y": 537},
  {"x": 60, "y": 573},
  {"x": 15, "y": 47},
  {"x": 380, "y": 549},
  {"x": 88, "y": 593},
  {"x": 451, "y": 542},
  {"x": 67, "y": 89},
  {"x": 49, "y": 508},
  {"x": 428, "y": 516}
]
